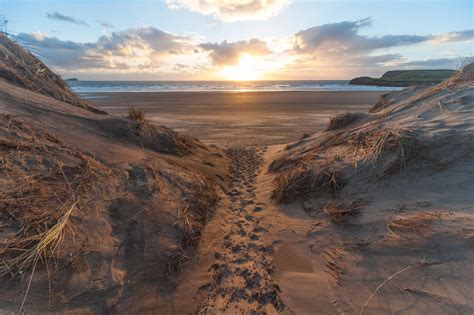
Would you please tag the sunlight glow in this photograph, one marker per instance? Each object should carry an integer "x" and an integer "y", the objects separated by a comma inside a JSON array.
[{"x": 246, "y": 70}]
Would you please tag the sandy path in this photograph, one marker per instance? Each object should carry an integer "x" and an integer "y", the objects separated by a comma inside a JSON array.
[{"x": 242, "y": 274}]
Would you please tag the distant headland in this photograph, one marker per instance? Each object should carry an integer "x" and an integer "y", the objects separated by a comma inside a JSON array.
[{"x": 406, "y": 78}]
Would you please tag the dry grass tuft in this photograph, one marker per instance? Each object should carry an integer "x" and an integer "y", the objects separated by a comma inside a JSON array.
[
  {"x": 303, "y": 181},
  {"x": 463, "y": 77},
  {"x": 343, "y": 120},
  {"x": 399, "y": 227},
  {"x": 383, "y": 152},
  {"x": 382, "y": 103},
  {"x": 138, "y": 115},
  {"x": 389, "y": 149},
  {"x": 20, "y": 67},
  {"x": 194, "y": 215},
  {"x": 140, "y": 129},
  {"x": 339, "y": 211},
  {"x": 43, "y": 183}
]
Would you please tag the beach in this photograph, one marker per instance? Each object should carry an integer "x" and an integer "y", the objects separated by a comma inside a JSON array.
[
  {"x": 240, "y": 118},
  {"x": 108, "y": 208}
]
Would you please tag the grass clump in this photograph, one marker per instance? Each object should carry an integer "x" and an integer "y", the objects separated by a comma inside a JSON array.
[
  {"x": 343, "y": 120},
  {"x": 303, "y": 181},
  {"x": 43, "y": 183},
  {"x": 382, "y": 103},
  {"x": 401, "y": 227},
  {"x": 140, "y": 129},
  {"x": 339, "y": 211},
  {"x": 137, "y": 115},
  {"x": 391, "y": 149}
]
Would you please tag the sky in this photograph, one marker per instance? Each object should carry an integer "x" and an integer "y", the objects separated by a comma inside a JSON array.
[{"x": 241, "y": 39}]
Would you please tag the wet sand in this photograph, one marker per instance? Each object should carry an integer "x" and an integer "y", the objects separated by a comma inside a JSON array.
[{"x": 230, "y": 118}]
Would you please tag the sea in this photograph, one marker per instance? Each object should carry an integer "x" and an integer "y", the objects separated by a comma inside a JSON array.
[{"x": 87, "y": 87}]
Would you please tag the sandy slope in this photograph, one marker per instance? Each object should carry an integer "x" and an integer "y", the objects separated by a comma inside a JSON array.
[
  {"x": 129, "y": 213},
  {"x": 395, "y": 235}
]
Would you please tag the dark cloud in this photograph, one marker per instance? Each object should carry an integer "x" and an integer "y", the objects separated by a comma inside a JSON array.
[
  {"x": 56, "y": 16},
  {"x": 228, "y": 53}
]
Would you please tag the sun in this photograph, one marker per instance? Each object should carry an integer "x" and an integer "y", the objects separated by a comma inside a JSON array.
[{"x": 246, "y": 70}]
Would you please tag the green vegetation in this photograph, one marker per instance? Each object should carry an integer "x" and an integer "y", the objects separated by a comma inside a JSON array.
[{"x": 406, "y": 78}]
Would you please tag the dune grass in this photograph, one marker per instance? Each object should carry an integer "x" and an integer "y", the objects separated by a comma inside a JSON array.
[
  {"x": 38, "y": 202},
  {"x": 140, "y": 129},
  {"x": 339, "y": 211},
  {"x": 390, "y": 149},
  {"x": 303, "y": 181},
  {"x": 343, "y": 120},
  {"x": 20, "y": 67}
]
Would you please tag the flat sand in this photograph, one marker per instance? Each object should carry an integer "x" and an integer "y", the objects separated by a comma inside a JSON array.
[{"x": 243, "y": 118}]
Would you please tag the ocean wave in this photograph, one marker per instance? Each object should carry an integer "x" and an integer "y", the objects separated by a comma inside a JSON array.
[{"x": 224, "y": 86}]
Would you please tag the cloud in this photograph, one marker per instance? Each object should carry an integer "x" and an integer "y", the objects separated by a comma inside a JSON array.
[
  {"x": 453, "y": 36},
  {"x": 342, "y": 46},
  {"x": 326, "y": 51},
  {"x": 56, "y": 16},
  {"x": 149, "y": 38},
  {"x": 344, "y": 37},
  {"x": 106, "y": 24},
  {"x": 229, "y": 53},
  {"x": 232, "y": 10},
  {"x": 137, "y": 49},
  {"x": 437, "y": 63}
]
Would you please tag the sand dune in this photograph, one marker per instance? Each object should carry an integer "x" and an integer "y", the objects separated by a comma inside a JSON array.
[
  {"x": 98, "y": 213},
  {"x": 390, "y": 196},
  {"x": 114, "y": 213}
]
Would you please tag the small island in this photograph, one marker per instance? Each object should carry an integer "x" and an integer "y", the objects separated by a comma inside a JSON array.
[
  {"x": 71, "y": 80},
  {"x": 402, "y": 78}
]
